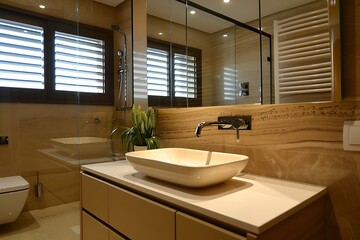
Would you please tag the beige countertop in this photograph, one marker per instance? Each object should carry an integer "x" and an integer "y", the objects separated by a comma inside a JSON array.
[{"x": 248, "y": 202}]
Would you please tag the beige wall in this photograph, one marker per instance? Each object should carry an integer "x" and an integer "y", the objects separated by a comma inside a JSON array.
[{"x": 300, "y": 142}]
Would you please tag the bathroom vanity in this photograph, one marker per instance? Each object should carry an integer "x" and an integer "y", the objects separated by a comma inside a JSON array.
[{"x": 117, "y": 202}]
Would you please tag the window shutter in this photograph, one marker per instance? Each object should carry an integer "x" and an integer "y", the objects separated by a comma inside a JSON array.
[
  {"x": 185, "y": 76},
  {"x": 230, "y": 77},
  {"x": 157, "y": 72},
  {"x": 21, "y": 55},
  {"x": 79, "y": 63}
]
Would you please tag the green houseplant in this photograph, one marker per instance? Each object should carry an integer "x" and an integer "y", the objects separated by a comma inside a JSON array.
[{"x": 141, "y": 133}]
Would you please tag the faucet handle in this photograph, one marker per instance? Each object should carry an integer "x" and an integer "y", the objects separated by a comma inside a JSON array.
[
  {"x": 239, "y": 123},
  {"x": 235, "y": 122}
]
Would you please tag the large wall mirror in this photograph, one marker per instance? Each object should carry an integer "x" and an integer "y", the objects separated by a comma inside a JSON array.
[{"x": 208, "y": 53}]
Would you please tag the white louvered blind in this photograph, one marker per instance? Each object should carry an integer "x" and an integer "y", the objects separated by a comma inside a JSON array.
[
  {"x": 79, "y": 63},
  {"x": 157, "y": 72},
  {"x": 185, "y": 76},
  {"x": 302, "y": 53},
  {"x": 21, "y": 55},
  {"x": 229, "y": 83}
]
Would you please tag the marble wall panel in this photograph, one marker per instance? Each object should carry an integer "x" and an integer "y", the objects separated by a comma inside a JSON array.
[{"x": 297, "y": 142}]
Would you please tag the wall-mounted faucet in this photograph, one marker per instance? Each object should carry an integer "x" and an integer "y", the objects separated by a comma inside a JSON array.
[
  {"x": 227, "y": 123},
  {"x": 110, "y": 138},
  {"x": 96, "y": 121},
  {"x": 201, "y": 125}
]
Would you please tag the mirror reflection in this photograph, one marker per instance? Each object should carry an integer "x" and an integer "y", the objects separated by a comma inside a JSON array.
[
  {"x": 302, "y": 48},
  {"x": 232, "y": 67},
  {"x": 220, "y": 64}
]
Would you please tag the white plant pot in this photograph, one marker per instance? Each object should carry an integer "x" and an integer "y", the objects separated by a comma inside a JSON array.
[{"x": 140, "y": 148}]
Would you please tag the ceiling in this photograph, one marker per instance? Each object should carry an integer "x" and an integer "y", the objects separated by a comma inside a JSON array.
[
  {"x": 240, "y": 10},
  {"x": 112, "y": 3}
]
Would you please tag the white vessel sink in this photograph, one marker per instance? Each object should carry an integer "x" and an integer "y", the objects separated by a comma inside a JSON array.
[
  {"x": 82, "y": 147},
  {"x": 187, "y": 167}
]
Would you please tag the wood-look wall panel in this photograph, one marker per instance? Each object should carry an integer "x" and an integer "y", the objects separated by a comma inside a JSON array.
[{"x": 299, "y": 142}]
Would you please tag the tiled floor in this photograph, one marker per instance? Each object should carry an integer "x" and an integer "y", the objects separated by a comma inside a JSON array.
[{"x": 53, "y": 223}]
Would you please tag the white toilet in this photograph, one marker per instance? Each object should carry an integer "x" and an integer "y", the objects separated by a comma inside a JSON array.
[{"x": 13, "y": 193}]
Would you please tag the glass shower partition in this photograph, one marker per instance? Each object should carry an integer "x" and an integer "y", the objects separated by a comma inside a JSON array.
[{"x": 53, "y": 130}]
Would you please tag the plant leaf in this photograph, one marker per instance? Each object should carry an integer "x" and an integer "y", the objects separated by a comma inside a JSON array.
[{"x": 141, "y": 132}]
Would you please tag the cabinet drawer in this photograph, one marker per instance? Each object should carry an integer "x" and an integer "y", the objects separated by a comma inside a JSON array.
[
  {"x": 188, "y": 227},
  {"x": 139, "y": 218},
  {"x": 94, "y": 196},
  {"x": 92, "y": 229}
]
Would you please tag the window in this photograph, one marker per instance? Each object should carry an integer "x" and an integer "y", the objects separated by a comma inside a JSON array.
[
  {"x": 54, "y": 61},
  {"x": 79, "y": 64},
  {"x": 185, "y": 76},
  {"x": 174, "y": 76},
  {"x": 158, "y": 72},
  {"x": 21, "y": 55},
  {"x": 230, "y": 89}
]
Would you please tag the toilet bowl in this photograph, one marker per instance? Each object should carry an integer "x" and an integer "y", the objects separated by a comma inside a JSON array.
[{"x": 13, "y": 193}]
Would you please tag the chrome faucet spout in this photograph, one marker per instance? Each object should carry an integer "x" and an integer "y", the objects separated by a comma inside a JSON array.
[
  {"x": 198, "y": 129},
  {"x": 110, "y": 137},
  {"x": 201, "y": 125}
]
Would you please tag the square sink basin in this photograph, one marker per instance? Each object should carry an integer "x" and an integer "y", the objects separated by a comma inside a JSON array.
[
  {"x": 82, "y": 147},
  {"x": 187, "y": 167}
]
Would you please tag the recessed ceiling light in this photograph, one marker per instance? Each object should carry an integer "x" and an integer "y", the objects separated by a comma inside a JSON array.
[
  {"x": 41, "y": 6},
  {"x": 192, "y": 12},
  {"x": 226, "y": 1},
  {"x": 225, "y": 35},
  {"x": 160, "y": 33}
]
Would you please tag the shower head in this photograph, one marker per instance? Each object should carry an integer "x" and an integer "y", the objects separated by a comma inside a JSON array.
[{"x": 116, "y": 27}]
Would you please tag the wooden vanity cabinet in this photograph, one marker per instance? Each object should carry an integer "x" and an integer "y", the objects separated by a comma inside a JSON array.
[
  {"x": 138, "y": 217},
  {"x": 106, "y": 207},
  {"x": 94, "y": 197},
  {"x": 308, "y": 223},
  {"x": 94, "y": 230},
  {"x": 188, "y": 227},
  {"x": 110, "y": 212}
]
